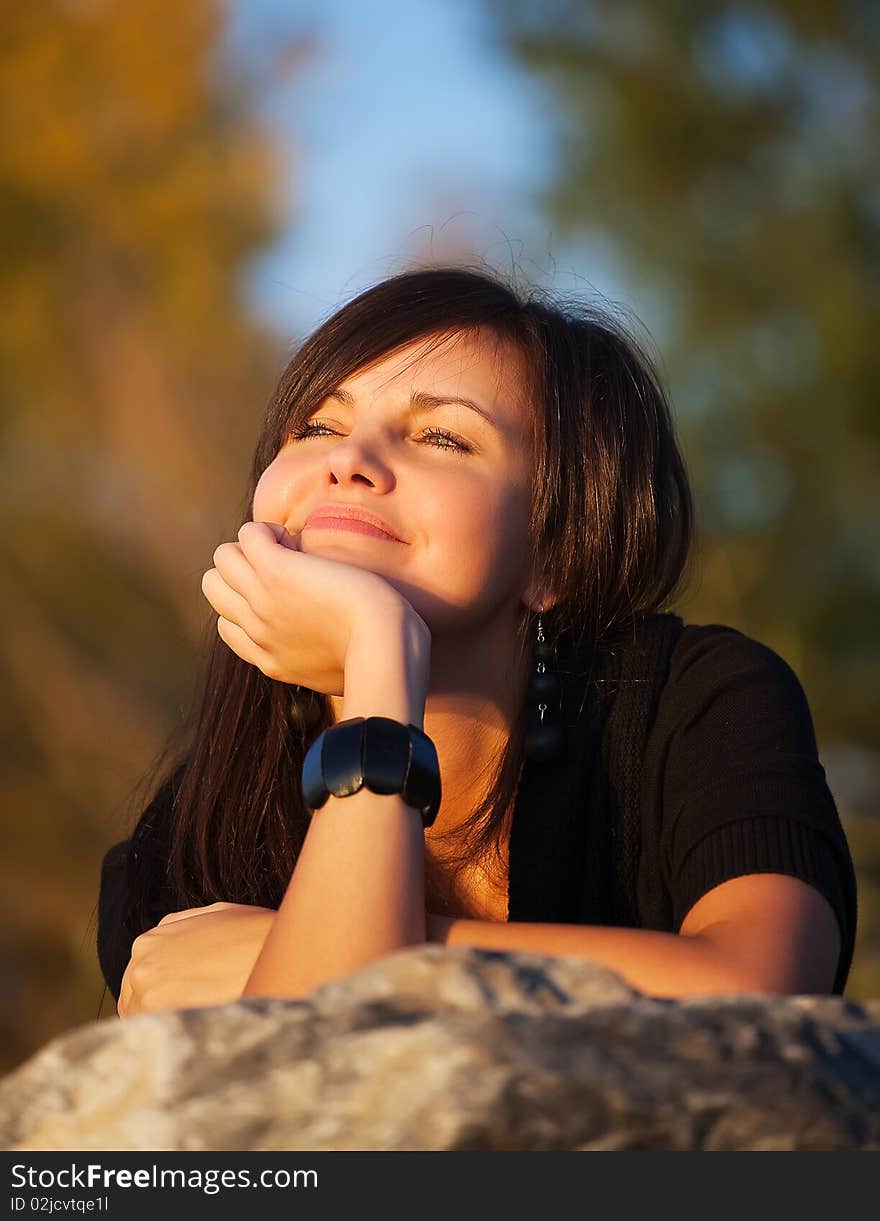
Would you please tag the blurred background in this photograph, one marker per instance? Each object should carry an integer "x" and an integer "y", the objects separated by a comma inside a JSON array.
[{"x": 187, "y": 189}]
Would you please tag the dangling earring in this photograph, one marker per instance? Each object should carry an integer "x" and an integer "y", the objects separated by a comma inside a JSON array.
[{"x": 544, "y": 737}]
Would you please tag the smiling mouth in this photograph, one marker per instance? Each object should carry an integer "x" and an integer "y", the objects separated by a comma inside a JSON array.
[{"x": 352, "y": 525}]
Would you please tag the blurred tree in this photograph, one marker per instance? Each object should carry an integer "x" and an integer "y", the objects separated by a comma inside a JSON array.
[
  {"x": 728, "y": 157},
  {"x": 136, "y": 184}
]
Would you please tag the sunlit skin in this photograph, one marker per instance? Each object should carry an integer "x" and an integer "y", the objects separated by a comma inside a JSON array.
[{"x": 463, "y": 517}]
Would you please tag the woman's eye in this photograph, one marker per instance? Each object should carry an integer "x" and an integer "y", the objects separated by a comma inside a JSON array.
[
  {"x": 433, "y": 435},
  {"x": 306, "y": 430},
  {"x": 455, "y": 443}
]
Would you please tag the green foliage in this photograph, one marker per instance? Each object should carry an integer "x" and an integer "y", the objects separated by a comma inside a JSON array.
[
  {"x": 728, "y": 156},
  {"x": 136, "y": 186}
]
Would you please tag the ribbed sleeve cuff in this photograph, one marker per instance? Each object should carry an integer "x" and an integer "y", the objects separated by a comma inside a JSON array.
[{"x": 771, "y": 845}]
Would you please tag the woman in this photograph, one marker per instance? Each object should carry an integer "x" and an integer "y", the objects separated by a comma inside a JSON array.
[{"x": 534, "y": 517}]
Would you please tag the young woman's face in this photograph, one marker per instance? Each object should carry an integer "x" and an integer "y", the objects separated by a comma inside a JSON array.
[{"x": 459, "y": 502}]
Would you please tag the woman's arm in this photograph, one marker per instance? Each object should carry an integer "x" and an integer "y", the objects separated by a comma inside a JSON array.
[
  {"x": 357, "y": 890},
  {"x": 757, "y": 933},
  {"x": 658, "y": 964}
]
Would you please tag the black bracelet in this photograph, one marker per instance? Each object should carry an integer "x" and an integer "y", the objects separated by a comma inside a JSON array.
[{"x": 376, "y": 753}]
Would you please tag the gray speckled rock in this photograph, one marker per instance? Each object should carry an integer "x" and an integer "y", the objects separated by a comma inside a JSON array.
[{"x": 455, "y": 1048}]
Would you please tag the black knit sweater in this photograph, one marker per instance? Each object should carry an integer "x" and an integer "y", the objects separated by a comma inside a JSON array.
[{"x": 721, "y": 768}]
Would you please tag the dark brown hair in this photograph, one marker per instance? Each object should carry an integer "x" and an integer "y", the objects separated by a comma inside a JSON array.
[{"x": 611, "y": 529}]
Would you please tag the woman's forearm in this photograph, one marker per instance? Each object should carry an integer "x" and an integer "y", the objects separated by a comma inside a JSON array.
[
  {"x": 357, "y": 891},
  {"x": 658, "y": 964}
]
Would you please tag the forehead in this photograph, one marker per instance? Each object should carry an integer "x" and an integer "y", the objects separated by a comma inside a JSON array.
[{"x": 483, "y": 367}]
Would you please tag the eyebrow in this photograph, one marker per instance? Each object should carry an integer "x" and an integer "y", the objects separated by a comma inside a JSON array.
[{"x": 422, "y": 400}]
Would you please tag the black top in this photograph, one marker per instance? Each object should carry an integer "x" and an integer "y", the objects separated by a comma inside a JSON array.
[
  {"x": 734, "y": 784},
  {"x": 730, "y": 784}
]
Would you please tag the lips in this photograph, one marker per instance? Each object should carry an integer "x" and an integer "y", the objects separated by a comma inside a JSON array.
[{"x": 325, "y": 515}]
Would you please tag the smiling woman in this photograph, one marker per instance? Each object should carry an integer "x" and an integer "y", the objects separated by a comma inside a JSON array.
[{"x": 468, "y": 514}]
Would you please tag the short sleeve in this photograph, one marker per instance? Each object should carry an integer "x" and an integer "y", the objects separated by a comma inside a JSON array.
[
  {"x": 114, "y": 941},
  {"x": 116, "y": 930},
  {"x": 743, "y": 788}
]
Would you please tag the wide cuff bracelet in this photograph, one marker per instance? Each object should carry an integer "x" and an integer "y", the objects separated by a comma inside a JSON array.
[{"x": 376, "y": 753}]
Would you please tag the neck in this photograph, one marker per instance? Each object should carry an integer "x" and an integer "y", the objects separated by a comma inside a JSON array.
[{"x": 474, "y": 695}]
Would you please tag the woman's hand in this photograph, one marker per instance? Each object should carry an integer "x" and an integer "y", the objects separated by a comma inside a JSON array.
[
  {"x": 193, "y": 958},
  {"x": 290, "y": 614}
]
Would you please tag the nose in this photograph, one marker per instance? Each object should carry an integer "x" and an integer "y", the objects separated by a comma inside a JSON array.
[{"x": 355, "y": 459}]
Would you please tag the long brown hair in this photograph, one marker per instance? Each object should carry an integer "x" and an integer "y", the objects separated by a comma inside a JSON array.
[{"x": 611, "y": 529}]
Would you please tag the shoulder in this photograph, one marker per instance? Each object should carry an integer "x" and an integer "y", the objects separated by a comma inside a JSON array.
[
  {"x": 114, "y": 858},
  {"x": 113, "y": 937},
  {"x": 113, "y": 868},
  {"x": 734, "y": 716},
  {"x": 704, "y": 652},
  {"x": 736, "y": 690}
]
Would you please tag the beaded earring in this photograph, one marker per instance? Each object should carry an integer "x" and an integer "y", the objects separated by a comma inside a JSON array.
[{"x": 544, "y": 737}]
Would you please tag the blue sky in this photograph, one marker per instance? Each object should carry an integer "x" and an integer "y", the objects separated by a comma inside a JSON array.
[{"x": 412, "y": 120}]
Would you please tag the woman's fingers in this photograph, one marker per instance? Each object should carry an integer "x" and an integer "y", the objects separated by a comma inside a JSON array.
[
  {"x": 233, "y": 588},
  {"x": 182, "y": 961},
  {"x": 241, "y": 644},
  {"x": 257, "y": 542},
  {"x": 224, "y": 600},
  {"x": 235, "y": 567},
  {"x": 293, "y": 615},
  {"x": 229, "y": 588}
]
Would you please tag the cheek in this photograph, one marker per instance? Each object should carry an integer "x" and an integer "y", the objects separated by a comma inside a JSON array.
[
  {"x": 272, "y": 494},
  {"x": 463, "y": 517},
  {"x": 480, "y": 538}
]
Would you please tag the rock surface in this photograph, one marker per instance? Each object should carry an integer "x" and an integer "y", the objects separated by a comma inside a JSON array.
[{"x": 457, "y": 1048}]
